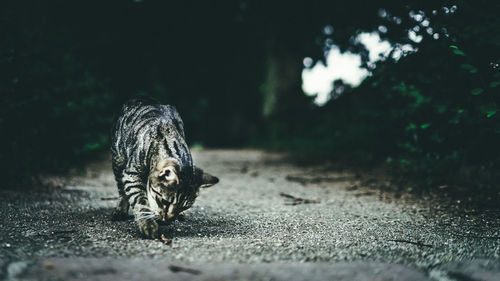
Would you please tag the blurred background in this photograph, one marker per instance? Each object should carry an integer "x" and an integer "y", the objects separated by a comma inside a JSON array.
[{"x": 414, "y": 85}]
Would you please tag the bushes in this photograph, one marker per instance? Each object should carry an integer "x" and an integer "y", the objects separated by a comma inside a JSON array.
[
  {"x": 431, "y": 115},
  {"x": 56, "y": 115}
]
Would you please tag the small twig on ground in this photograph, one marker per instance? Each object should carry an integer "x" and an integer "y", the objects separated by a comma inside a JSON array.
[
  {"x": 368, "y": 193},
  {"x": 175, "y": 268},
  {"x": 307, "y": 180},
  {"x": 165, "y": 240},
  {"x": 411, "y": 242},
  {"x": 63, "y": 231},
  {"x": 292, "y": 200},
  {"x": 109, "y": 198},
  {"x": 352, "y": 187}
]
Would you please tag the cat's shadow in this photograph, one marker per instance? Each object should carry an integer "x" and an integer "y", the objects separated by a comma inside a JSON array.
[{"x": 197, "y": 223}]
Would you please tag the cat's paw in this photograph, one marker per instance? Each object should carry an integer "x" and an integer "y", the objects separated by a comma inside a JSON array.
[
  {"x": 180, "y": 217},
  {"x": 148, "y": 228},
  {"x": 119, "y": 215}
]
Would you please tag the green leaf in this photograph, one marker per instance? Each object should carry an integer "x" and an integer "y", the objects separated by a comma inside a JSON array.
[
  {"x": 454, "y": 47},
  {"x": 441, "y": 108},
  {"x": 494, "y": 84},
  {"x": 468, "y": 67},
  {"x": 411, "y": 127},
  {"x": 458, "y": 52},
  {"x": 490, "y": 113},
  {"x": 477, "y": 91},
  {"x": 91, "y": 146},
  {"x": 436, "y": 138},
  {"x": 425, "y": 126}
]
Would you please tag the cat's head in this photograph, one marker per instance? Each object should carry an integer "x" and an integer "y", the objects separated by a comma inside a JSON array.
[{"x": 172, "y": 188}]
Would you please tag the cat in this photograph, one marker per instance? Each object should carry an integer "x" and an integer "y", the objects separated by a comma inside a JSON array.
[{"x": 152, "y": 165}]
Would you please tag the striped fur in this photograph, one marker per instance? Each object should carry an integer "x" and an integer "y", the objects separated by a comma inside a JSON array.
[{"x": 152, "y": 164}]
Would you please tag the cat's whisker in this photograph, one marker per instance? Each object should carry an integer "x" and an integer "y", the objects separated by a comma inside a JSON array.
[
  {"x": 145, "y": 213},
  {"x": 143, "y": 207},
  {"x": 146, "y": 217}
]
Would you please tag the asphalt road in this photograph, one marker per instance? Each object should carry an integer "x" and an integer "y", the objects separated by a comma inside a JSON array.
[{"x": 267, "y": 219}]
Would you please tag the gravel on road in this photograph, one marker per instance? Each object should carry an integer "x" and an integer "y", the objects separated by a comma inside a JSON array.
[{"x": 266, "y": 217}]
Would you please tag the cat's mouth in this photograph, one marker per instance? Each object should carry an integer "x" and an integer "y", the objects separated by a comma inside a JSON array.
[
  {"x": 166, "y": 208},
  {"x": 167, "y": 212}
]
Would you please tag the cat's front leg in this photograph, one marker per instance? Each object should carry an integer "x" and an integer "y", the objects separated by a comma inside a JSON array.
[
  {"x": 144, "y": 216},
  {"x": 135, "y": 192},
  {"x": 148, "y": 228},
  {"x": 120, "y": 213}
]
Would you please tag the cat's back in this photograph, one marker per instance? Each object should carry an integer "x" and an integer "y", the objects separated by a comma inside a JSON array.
[
  {"x": 143, "y": 114},
  {"x": 139, "y": 110},
  {"x": 141, "y": 121}
]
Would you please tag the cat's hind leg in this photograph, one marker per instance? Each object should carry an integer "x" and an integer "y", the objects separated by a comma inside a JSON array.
[{"x": 120, "y": 213}]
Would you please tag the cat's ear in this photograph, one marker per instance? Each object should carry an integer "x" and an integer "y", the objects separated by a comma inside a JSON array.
[
  {"x": 205, "y": 179},
  {"x": 208, "y": 180}
]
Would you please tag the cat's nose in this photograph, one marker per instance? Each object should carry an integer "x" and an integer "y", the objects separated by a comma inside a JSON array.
[{"x": 169, "y": 174}]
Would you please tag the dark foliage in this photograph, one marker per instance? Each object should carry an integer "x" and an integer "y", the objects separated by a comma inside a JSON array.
[
  {"x": 233, "y": 70},
  {"x": 433, "y": 114}
]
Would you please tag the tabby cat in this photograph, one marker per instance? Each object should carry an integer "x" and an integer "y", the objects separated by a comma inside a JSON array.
[{"x": 152, "y": 165}]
